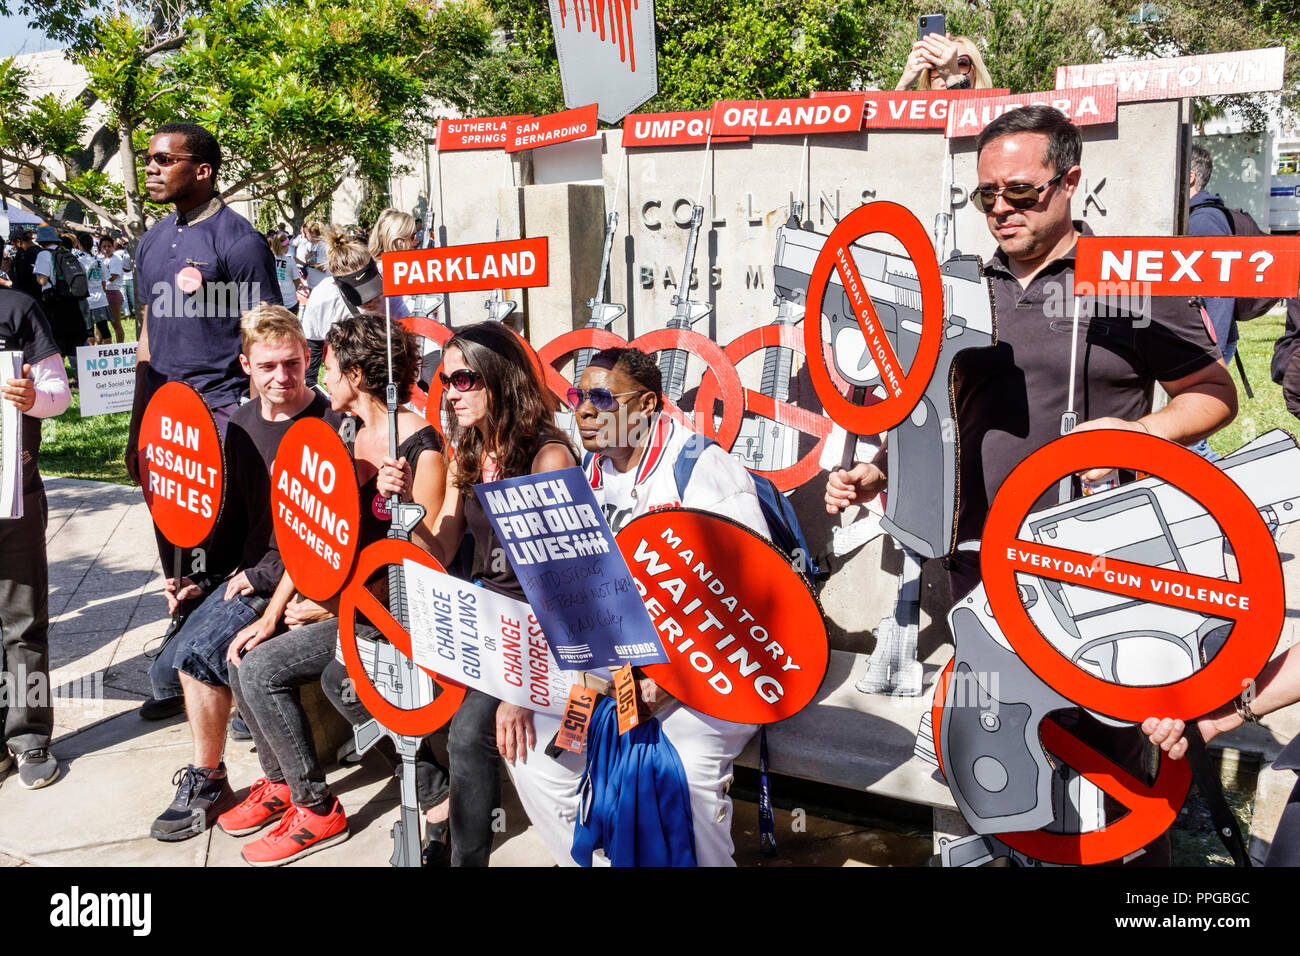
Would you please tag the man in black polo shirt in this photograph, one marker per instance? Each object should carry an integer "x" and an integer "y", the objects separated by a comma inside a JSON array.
[
  {"x": 41, "y": 393},
  {"x": 1010, "y": 397},
  {"x": 196, "y": 271}
]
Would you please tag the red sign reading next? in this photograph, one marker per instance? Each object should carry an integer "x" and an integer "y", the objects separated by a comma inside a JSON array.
[
  {"x": 562, "y": 127},
  {"x": 514, "y": 264},
  {"x": 1253, "y": 266},
  {"x": 836, "y": 113}
]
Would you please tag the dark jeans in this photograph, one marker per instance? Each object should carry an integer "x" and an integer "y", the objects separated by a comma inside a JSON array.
[
  {"x": 475, "y": 788},
  {"x": 27, "y": 709},
  {"x": 315, "y": 355},
  {"x": 206, "y": 634}
]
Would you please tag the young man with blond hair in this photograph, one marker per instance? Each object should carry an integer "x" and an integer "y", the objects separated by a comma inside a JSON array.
[{"x": 274, "y": 355}]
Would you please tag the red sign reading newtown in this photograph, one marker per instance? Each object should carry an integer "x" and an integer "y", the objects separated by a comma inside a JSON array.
[
  {"x": 745, "y": 636},
  {"x": 1088, "y": 106},
  {"x": 181, "y": 466},
  {"x": 513, "y": 264},
  {"x": 912, "y": 109},
  {"x": 538, "y": 131},
  {"x": 1169, "y": 78},
  {"x": 487, "y": 132},
  {"x": 315, "y": 507},
  {"x": 836, "y": 113},
  {"x": 1190, "y": 265},
  {"x": 1255, "y": 603},
  {"x": 689, "y": 128}
]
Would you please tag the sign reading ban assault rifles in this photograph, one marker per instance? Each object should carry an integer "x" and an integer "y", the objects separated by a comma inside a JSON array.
[
  {"x": 744, "y": 633},
  {"x": 182, "y": 469}
]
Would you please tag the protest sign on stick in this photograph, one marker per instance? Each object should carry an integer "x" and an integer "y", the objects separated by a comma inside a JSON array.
[
  {"x": 510, "y": 263},
  {"x": 182, "y": 469},
  {"x": 107, "y": 377},
  {"x": 1227, "y": 266}
]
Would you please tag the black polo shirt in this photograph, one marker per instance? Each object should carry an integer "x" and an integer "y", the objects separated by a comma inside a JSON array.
[
  {"x": 197, "y": 273},
  {"x": 1009, "y": 398},
  {"x": 24, "y": 328}
]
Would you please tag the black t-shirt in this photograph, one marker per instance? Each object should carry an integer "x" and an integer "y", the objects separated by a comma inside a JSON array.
[
  {"x": 375, "y": 516},
  {"x": 1010, "y": 397},
  {"x": 251, "y": 444},
  {"x": 24, "y": 328}
]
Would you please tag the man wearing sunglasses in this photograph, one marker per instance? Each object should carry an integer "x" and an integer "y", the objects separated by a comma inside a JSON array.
[
  {"x": 197, "y": 270},
  {"x": 1010, "y": 398},
  {"x": 632, "y": 449}
]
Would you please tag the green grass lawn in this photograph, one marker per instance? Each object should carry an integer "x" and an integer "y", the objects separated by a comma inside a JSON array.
[
  {"x": 1266, "y": 410},
  {"x": 76, "y": 447}
]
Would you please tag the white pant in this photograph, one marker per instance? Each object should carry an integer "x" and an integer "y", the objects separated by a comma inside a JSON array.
[{"x": 548, "y": 788}]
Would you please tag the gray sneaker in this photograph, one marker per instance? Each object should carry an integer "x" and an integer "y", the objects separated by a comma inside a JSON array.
[
  {"x": 37, "y": 768},
  {"x": 200, "y": 798}
]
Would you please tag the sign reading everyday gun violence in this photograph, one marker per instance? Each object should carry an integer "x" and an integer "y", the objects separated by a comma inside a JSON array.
[
  {"x": 566, "y": 559},
  {"x": 482, "y": 639},
  {"x": 1189, "y": 265},
  {"x": 836, "y": 113},
  {"x": 688, "y": 128},
  {"x": 1087, "y": 106},
  {"x": 746, "y": 637},
  {"x": 315, "y": 507},
  {"x": 513, "y": 264},
  {"x": 1171, "y": 78},
  {"x": 181, "y": 466},
  {"x": 488, "y": 132},
  {"x": 107, "y": 375},
  {"x": 548, "y": 130}
]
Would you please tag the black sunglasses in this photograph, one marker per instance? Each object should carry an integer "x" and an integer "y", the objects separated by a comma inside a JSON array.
[
  {"x": 1017, "y": 195},
  {"x": 166, "y": 159},
  {"x": 463, "y": 379},
  {"x": 964, "y": 64},
  {"x": 602, "y": 399}
]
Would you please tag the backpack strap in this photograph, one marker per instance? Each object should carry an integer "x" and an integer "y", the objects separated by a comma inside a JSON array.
[{"x": 684, "y": 466}]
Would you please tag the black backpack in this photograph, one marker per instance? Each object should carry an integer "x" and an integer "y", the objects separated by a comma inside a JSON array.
[
  {"x": 22, "y": 271},
  {"x": 1243, "y": 224},
  {"x": 69, "y": 278}
]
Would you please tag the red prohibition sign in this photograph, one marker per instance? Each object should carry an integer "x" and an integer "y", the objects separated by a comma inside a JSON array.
[
  {"x": 436, "y": 332},
  {"x": 1255, "y": 628},
  {"x": 563, "y": 345},
  {"x": 182, "y": 464},
  {"x": 896, "y": 221},
  {"x": 1151, "y": 810},
  {"x": 411, "y": 723},
  {"x": 716, "y": 365},
  {"x": 783, "y": 413}
]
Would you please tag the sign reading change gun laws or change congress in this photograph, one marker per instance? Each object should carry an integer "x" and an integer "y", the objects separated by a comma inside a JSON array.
[
  {"x": 481, "y": 639},
  {"x": 745, "y": 635},
  {"x": 182, "y": 469},
  {"x": 567, "y": 561}
]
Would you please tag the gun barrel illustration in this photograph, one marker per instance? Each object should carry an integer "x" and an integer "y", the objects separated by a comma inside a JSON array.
[
  {"x": 923, "y": 449},
  {"x": 603, "y": 312},
  {"x": 673, "y": 361}
]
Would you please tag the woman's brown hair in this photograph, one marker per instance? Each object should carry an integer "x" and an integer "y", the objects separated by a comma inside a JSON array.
[
  {"x": 520, "y": 410},
  {"x": 361, "y": 342}
]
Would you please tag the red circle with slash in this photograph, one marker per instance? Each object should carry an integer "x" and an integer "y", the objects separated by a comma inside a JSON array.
[
  {"x": 564, "y": 345},
  {"x": 436, "y": 332},
  {"x": 783, "y": 413},
  {"x": 315, "y": 508},
  {"x": 1255, "y": 628},
  {"x": 356, "y": 598},
  {"x": 716, "y": 365},
  {"x": 1151, "y": 809},
  {"x": 836, "y": 255},
  {"x": 182, "y": 469}
]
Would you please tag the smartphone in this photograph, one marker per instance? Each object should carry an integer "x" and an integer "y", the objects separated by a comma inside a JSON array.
[{"x": 931, "y": 23}]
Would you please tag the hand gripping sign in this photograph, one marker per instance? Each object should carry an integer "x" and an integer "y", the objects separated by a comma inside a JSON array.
[
  {"x": 744, "y": 633},
  {"x": 181, "y": 465},
  {"x": 315, "y": 505}
]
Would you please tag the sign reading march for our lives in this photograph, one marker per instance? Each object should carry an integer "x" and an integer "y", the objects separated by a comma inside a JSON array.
[
  {"x": 566, "y": 559},
  {"x": 107, "y": 374}
]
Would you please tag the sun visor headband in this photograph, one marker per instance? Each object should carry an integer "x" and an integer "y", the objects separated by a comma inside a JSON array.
[{"x": 360, "y": 287}]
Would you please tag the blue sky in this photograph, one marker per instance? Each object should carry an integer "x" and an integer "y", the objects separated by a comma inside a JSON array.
[{"x": 17, "y": 37}]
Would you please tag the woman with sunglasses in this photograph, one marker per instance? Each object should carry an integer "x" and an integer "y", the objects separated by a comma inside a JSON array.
[
  {"x": 939, "y": 62},
  {"x": 502, "y": 425}
]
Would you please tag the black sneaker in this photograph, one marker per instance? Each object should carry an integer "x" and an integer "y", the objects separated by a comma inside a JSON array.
[
  {"x": 155, "y": 709},
  {"x": 37, "y": 768},
  {"x": 202, "y": 795}
]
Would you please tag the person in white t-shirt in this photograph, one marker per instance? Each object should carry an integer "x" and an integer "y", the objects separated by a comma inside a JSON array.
[
  {"x": 618, "y": 407},
  {"x": 111, "y": 264},
  {"x": 128, "y": 277},
  {"x": 312, "y": 254},
  {"x": 98, "y": 314},
  {"x": 286, "y": 270}
]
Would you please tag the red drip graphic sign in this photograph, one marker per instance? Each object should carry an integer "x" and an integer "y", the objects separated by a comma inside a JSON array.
[
  {"x": 1168, "y": 78},
  {"x": 836, "y": 113},
  {"x": 1255, "y": 603},
  {"x": 487, "y": 132},
  {"x": 1188, "y": 265},
  {"x": 672, "y": 129},
  {"x": 513, "y": 264},
  {"x": 548, "y": 130},
  {"x": 181, "y": 465},
  {"x": 595, "y": 14},
  {"x": 315, "y": 505},
  {"x": 744, "y": 633},
  {"x": 1087, "y": 106}
]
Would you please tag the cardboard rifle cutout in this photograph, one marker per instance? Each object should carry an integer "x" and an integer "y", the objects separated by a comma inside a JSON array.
[
  {"x": 672, "y": 363},
  {"x": 499, "y": 308},
  {"x": 885, "y": 311},
  {"x": 1150, "y": 599},
  {"x": 603, "y": 311}
]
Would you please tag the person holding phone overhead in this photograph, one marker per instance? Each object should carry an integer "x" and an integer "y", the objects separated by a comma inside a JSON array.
[{"x": 941, "y": 61}]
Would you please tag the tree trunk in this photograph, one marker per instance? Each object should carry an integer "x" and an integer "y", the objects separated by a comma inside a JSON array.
[{"x": 134, "y": 216}]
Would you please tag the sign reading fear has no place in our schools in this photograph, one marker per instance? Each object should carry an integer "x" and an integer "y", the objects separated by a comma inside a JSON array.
[
  {"x": 511, "y": 264},
  {"x": 555, "y": 537},
  {"x": 182, "y": 469}
]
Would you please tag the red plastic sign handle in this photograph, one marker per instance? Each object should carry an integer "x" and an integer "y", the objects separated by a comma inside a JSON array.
[
  {"x": 1258, "y": 595},
  {"x": 905, "y": 388},
  {"x": 182, "y": 468},
  {"x": 411, "y": 723}
]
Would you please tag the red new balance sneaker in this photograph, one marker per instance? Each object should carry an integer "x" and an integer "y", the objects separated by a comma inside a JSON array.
[
  {"x": 298, "y": 834},
  {"x": 264, "y": 803}
]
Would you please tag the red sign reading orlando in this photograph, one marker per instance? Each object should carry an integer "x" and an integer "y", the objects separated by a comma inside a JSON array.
[
  {"x": 745, "y": 636},
  {"x": 181, "y": 465}
]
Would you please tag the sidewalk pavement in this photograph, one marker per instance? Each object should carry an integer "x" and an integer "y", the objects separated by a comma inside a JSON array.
[{"x": 107, "y": 610}]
